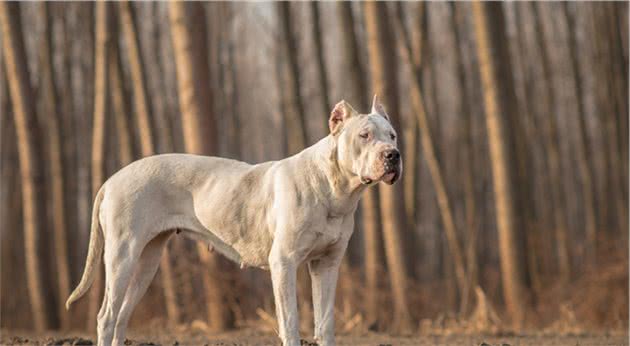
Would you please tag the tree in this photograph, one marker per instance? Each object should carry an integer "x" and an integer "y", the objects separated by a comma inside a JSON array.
[
  {"x": 468, "y": 155},
  {"x": 431, "y": 157},
  {"x": 492, "y": 51},
  {"x": 294, "y": 115},
  {"x": 316, "y": 32},
  {"x": 384, "y": 82},
  {"x": 188, "y": 32},
  {"x": 120, "y": 107},
  {"x": 558, "y": 194},
  {"x": 584, "y": 146},
  {"x": 138, "y": 76},
  {"x": 55, "y": 160},
  {"x": 29, "y": 150},
  {"x": 101, "y": 93}
]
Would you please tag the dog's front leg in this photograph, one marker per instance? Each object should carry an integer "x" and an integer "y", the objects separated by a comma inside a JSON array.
[
  {"x": 283, "y": 272},
  {"x": 324, "y": 274}
]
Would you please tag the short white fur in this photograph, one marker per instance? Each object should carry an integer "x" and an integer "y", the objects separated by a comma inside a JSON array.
[{"x": 274, "y": 215}]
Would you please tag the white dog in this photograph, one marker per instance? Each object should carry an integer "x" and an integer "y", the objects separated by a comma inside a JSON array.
[{"x": 272, "y": 215}]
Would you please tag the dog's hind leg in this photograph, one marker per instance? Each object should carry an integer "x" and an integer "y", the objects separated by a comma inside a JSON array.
[
  {"x": 143, "y": 274},
  {"x": 120, "y": 259},
  {"x": 101, "y": 313}
]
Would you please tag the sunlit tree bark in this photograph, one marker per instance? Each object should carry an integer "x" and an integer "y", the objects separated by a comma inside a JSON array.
[
  {"x": 491, "y": 47},
  {"x": 101, "y": 93},
  {"x": 30, "y": 155},
  {"x": 57, "y": 188}
]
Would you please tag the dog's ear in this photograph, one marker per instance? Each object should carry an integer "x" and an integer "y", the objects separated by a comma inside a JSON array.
[
  {"x": 378, "y": 108},
  {"x": 342, "y": 111}
]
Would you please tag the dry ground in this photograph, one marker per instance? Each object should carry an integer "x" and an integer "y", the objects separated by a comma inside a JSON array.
[{"x": 252, "y": 337}]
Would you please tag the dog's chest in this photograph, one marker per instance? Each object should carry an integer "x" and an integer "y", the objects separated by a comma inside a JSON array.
[{"x": 329, "y": 235}]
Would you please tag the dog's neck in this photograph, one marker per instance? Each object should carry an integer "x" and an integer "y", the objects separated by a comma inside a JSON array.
[{"x": 344, "y": 185}]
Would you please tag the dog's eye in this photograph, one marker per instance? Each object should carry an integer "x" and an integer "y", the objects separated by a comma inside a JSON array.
[
  {"x": 392, "y": 136},
  {"x": 364, "y": 135}
]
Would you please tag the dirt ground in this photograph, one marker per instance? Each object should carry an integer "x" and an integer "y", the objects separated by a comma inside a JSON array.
[{"x": 251, "y": 338}]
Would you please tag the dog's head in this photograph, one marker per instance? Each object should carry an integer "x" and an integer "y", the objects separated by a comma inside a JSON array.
[{"x": 366, "y": 143}]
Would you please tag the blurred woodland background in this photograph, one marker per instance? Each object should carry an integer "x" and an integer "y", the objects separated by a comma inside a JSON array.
[{"x": 512, "y": 213}]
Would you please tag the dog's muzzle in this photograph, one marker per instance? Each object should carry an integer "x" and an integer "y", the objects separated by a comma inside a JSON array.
[{"x": 391, "y": 162}]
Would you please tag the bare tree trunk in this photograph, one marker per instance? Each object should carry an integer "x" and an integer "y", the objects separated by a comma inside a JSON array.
[
  {"x": 614, "y": 103},
  {"x": 120, "y": 107},
  {"x": 492, "y": 45},
  {"x": 534, "y": 235},
  {"x": 101, "y": 91},
  {"x": 295, "y": 113},
  {"x": 555, "y": 171},
  {"x": 584, "y": 146},
  {"x": 138, "y": 76},
  {"x": 56, "y": 163},
  {"x": 147, "y": 145},
  {"x": 234, "y": 101},
  {"x": 411, "y": 133},
  {"x": 188, "y": 31},
  {"x": 431, "y": 157},
  {"x": 468, "y": 155},
  {"x": 29, "y": 150},
  {"x": 319, "y": 56},
  {"x": 381, "y": 44}
]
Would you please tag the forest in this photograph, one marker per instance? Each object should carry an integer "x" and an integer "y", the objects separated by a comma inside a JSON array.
[{"x": 511, "y": 214}]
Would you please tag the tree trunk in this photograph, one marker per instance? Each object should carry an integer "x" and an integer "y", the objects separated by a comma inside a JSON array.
[
  {"x": 431, "y": 157},
  {"x": 545, "y": 208},
  {"x": 357, "y": 95},
  {"x": 555, "y": 171},
  {"x": 492, "y": 49},
  {"x": 56, "y": 163},
  {"x": 29, "y": 150},
  {"x": 294, "y": 115},
  {"x": 188, "y": 31},
  {"x": 381, "y": 44},
  {"x": 101, "y": 91},
  {"x": 120, "y": 107},
  {"x": 319, "y": 57},
  {"x": 138, "y": 77},
  {"x": 468, "y": 156},
  {"x": 584, "y": 146}
]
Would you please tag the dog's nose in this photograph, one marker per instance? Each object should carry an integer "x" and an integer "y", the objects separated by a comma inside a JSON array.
[{"x": 392, "y": 155}]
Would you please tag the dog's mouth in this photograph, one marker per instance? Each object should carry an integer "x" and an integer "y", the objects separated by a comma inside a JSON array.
[{"x": 389, "y": 177}]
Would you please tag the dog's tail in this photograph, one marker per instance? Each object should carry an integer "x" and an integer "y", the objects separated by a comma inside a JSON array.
[{"x": 95, "y": 252}]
